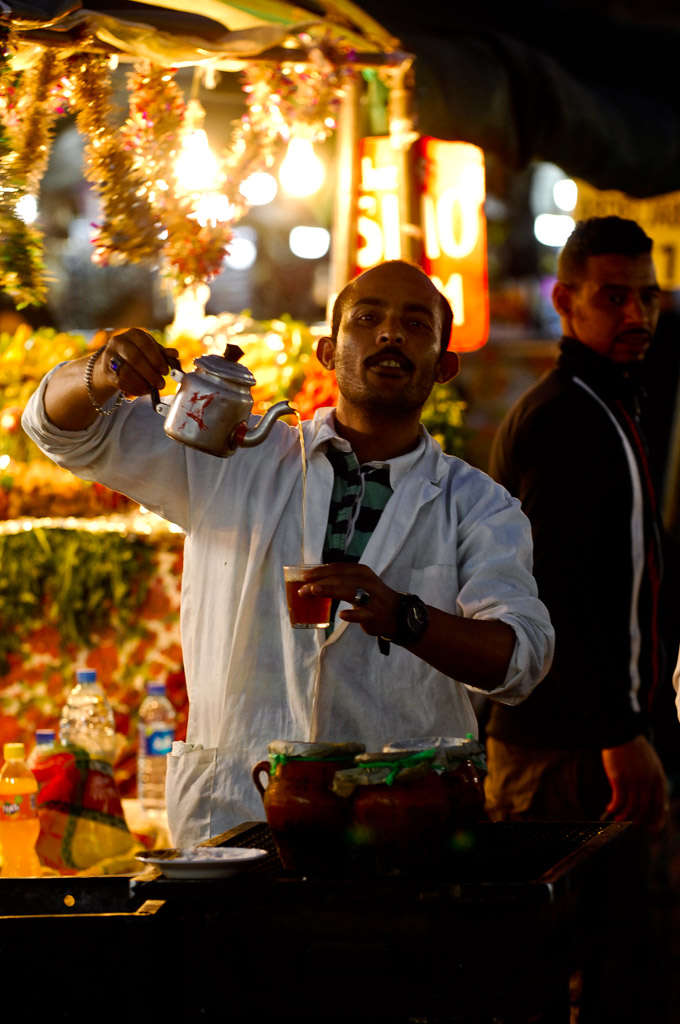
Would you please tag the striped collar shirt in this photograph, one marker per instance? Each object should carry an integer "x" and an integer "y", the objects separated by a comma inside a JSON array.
[{"x": 360, "y": 493}]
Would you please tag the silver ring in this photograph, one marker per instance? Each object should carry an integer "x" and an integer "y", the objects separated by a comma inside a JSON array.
[
  {"x": 361, "y": 597},
  {"x": 116, "y": 364}
]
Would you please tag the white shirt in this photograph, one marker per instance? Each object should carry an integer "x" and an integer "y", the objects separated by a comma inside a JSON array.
[{"x": 448, "y": 533}]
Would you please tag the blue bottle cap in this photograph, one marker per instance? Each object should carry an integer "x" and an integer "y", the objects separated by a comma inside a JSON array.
[
  {"x": 86, "y": 675},
  {"x": 155, "y": 689},
  {"x": 43, "y": 736}
]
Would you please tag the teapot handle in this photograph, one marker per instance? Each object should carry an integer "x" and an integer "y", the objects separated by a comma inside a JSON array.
[{"x": 174, "y": 365}]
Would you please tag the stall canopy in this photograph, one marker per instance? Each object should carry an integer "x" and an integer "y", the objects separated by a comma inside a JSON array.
[
  {"x": 595, "y": 93},
  {"x": 177, "y": 33}
]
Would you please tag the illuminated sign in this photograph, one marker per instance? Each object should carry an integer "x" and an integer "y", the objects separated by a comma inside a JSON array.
[
  {"x": 658, "y": 216},
  {"x": 447, "y": 179}
]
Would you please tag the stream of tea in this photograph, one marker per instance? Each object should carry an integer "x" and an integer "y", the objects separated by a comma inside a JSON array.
[{"x": 303, "y": 456}]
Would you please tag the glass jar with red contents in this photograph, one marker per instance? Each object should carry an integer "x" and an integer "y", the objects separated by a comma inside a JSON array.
[
  {"x": 400, "y": 808},
  {"x": 464, "y": 772},
  {"x": 310, "y": 824}
]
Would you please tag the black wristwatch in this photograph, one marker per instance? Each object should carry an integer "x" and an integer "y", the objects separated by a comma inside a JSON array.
[{"x": 412, "y": 621}]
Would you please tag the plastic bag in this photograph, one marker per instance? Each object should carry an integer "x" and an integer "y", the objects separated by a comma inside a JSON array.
[{"x": 81, "y": 815}]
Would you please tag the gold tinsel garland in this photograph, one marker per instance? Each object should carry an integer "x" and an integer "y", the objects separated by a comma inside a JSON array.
[
  {"x": 131, "y": 229},
  {"x": 159, "y": 118},
  {"x": 299, "y": 96},
  {"x": 306, "y": 94},
  {"x": 146, "y": 217},
  {"x": 22, "y": 270},
  {"x": 29, "y": 107},
  {"x": 40, "y": 98}
]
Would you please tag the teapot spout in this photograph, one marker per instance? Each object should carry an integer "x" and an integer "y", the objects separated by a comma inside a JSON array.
[{"x": 250, "y": 438}]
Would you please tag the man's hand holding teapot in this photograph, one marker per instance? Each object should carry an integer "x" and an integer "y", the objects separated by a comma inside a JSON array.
[{"x": 132, "y": 361}]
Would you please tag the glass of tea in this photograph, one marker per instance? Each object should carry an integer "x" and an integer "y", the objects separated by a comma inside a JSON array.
[{"x": 309, "y": 612}]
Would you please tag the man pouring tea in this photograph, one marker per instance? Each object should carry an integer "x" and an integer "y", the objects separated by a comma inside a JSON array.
[{"x": 426, "y": 560}]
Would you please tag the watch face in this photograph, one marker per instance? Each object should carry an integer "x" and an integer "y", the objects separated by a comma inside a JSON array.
[
  {"x": 412, "y": 620},
  {"x": 416, "y": 617}
]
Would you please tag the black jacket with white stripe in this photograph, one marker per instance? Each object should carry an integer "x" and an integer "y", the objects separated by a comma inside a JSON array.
[{"x": 572, "y": 451}]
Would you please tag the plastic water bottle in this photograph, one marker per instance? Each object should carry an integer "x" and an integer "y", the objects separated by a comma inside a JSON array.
[
  {"x": 87, "y": 718},
  {"x": 44, "y": 745},
  {"x": 156, "y": 733},
  {"x": 38, "y": 759},
  {"x": 19, "y": 821}
]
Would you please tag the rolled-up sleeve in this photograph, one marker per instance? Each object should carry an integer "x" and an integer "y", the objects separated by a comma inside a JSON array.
[
  {"x": 108, "y": 452},
  {"x": 496, "y": 582}
]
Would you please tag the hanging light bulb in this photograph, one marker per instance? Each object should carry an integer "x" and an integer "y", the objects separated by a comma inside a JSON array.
[
  {"x": 301, "y": 172},
  {"x": 259, "y": 188},
  {"x": 213, "y": 208},
  {"x": 309, "y": 243},
  {"x": 196, "y": 167}
]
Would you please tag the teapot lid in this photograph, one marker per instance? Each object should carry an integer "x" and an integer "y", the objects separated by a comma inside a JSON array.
[{"x": 227, "y": 366}]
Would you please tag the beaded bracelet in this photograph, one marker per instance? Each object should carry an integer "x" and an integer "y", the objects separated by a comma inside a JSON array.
[{"x": 89, "y": 369}]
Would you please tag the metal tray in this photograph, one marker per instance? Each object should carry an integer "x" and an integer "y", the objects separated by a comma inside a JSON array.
[{"x": 494, "y": 861}]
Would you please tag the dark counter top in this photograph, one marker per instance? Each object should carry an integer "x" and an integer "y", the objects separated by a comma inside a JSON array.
[{"x": 492, "y": 862}]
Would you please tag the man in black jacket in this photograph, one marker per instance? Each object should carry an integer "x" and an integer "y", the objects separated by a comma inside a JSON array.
[{"x": 572, "y": 450}]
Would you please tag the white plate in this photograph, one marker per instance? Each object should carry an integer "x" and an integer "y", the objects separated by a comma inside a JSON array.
[{"x": 201, "y": 862}]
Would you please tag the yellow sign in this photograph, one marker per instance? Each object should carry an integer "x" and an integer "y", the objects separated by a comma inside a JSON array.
[{"x": 658, "y": 216}]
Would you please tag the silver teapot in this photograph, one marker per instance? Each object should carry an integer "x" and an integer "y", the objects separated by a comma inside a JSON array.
[{"x": 211, "y": 407}]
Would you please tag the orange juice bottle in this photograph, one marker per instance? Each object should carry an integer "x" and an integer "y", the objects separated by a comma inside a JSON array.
[{"x": 19, "y": 822}]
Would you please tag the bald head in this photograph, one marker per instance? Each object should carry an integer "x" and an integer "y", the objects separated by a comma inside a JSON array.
[{"x": 394, "y": 269}]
